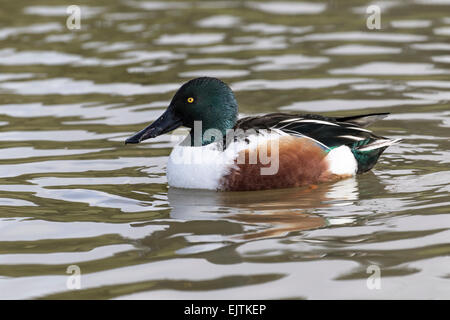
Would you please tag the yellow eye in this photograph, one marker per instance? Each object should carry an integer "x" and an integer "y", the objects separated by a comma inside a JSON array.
[{"x": 190, "y": 99}]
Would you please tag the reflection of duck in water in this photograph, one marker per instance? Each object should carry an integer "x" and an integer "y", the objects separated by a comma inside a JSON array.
[
  {"x": 272, "y": 213},
  {"x": 272, "y": 151},
  {"x": 214, "y": 224}
]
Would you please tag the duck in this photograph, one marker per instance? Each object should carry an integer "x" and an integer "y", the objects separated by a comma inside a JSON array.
[{"x": 223, "y": 152}]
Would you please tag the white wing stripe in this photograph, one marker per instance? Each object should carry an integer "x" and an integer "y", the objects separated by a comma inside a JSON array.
[
  {"x": 359, "y": 129},
  {"x": 352, "y": 137},
  {"x": 320, "y": 122},
  {"x": 291, "y": 120}
]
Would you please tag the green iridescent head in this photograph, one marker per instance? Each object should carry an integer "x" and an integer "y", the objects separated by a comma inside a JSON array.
[{"x": 205, "y": 101}]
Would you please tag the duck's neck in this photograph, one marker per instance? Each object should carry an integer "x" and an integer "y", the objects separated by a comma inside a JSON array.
[{"x": 204, "y": 133}]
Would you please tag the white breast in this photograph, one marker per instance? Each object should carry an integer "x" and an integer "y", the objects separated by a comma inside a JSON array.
[
  {"x": 197, "y": 167},
  {"x": 203, "y": 167}
]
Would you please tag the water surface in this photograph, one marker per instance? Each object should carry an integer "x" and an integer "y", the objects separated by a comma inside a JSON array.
[{"x": 71, "y": 193}]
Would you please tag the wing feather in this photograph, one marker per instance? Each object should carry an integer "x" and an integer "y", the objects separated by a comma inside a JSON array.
[{"x": 328, "y": 132}]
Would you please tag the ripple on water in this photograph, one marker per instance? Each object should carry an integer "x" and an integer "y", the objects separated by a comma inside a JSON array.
[
  {"x": 332, "y": 104},
  {"x": 214, "y": 73},
  {"x": 158, "y": 5},
  {"x": 57, "y": 135},
  {"x": 411, "y": 24},
  {"x": 53, "y": 58},
  {"x": 67, "y": 86},
  {"x": 391, "y": 68},
  {"x": 61, "y": 11},
  {"x": 430, "y": 83},
  {"x": 66, "y": 257},
  {"x": 288, "y": 62},
  {"x": 31, "y": 29},
  {"x": 115, "y": 114},
  {"x": 29, "y": 152},
  {"x": 14, "y": 76},
  {"x": 72, "y": 192},
  {"x": 28, "y": 230},
  {"x": 190, "y": 39},
  {"x": 357, "y": 49},
  {"x": 361, "y": 36},
  {"x": 289, "y": 84},
  {"x": 60, "y": 38},
  {"x": 384, "y": 6},
  {"x": 219, "y": 21},
  {"x": 288, "y": 7},
  {"x": 442, "y": 31},
  {"x": 11, "y": 57},
  {"x": 266, "y": 28},
  {"x": 218, "y": 60},
  {"x": 266, "y": 43},
  {"x": 15, "y": 203},
  {"x": 441, "y": 59},
  {"x": 431, "y": 46}
]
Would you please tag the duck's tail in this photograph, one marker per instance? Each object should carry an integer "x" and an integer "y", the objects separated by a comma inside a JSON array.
[
  {"x": 364, "y": 120},
  {"x": 378, "y": 144}
]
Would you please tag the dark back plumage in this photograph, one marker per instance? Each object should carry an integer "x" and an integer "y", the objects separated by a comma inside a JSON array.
[{"x": 327, "y": 132}]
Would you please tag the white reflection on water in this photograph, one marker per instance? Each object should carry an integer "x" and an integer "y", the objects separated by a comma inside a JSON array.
[
  {"x": 131, "y": 28},
  {"x": 288, "y": 7},
  {"x": 430, "y": 83},
  {"x": 440, "y": 96},
  {"x": 358, "y": 49},
  {"x": 60, "y": 37},
  {"x": 391, "y": 68},
  {"x": 441, "y": 59},
  {"x": 28, "y": 230},
  {"x": 61, "y": 11},
  {"x": 411, "y": 24},
  {"x": 11, "y": 57},
  {"x": 158, "y": 5},
  {"x": 332, "y": 104},
  {"x": 70, "y": 99},
  {"x": 190, "y": 39},
  {"x": 214, "y": 73},
  {"x": 31, "y": 29},
  {"x": 101, "y": 199},
  {"x": 361, "y": 36},
  {"x": 433, "y": 2},
  {"x": 431, "y": 46},
  {"x": 288, "y": 62},
  {"x": 66, "y": 257},
  {"x": 155, "y": 69},
  {"x": 266, "y": 28},
  {"x": 219, "y": 21},
  {"x": 57, "y": 135},
  {"x": 16, "y": 203},
  {"x": 67, "y": 86},
  {"x": 377, "y": 86},
  {"x": 442, "y": 31},
  {"x": 289, "y": 84},
  {"x": 15, "y": 76},
  {"x": 90, "y": 113},
  {"x": 384, "y": 5},
  {"x": 226, "y": 61},
  {"x": 29, "y": 152},
  {"x": 266, "y": 43},
  {"x": 11, "y": 170},
  {"x": 54, "y": 181}
]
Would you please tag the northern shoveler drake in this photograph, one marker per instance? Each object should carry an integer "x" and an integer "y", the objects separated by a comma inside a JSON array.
[{"x": 276, "y": 150}]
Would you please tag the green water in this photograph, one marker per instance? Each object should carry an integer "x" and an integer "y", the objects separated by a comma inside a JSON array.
[{"x": 71, "y": 193}]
